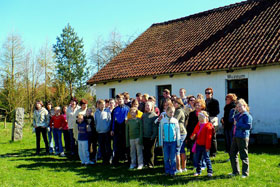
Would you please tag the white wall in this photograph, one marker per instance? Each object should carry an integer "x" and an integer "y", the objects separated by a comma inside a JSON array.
[{"x": 263, "y": 90}]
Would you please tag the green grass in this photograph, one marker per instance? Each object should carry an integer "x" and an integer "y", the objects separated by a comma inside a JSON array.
[{"x": 18, "y": 167}]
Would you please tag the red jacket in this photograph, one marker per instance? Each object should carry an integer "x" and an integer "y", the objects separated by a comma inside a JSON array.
[
  {"x": 58, "y": 122},
  {"x": 205, "y": 136}
]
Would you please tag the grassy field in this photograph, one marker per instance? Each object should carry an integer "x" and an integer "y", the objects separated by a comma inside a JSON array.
[{"x": 19, "y": 167}]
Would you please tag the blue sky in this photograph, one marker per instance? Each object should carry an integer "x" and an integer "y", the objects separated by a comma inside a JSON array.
[{"x": 37, "y": 20}]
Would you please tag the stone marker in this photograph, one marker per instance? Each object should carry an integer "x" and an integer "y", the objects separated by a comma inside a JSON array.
[{"x": 18, "y": 124}]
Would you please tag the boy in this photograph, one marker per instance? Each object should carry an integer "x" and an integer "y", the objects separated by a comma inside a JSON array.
[
  {"x": 83, "y": 140},
  {"x": 102, "y": 119},
  {"x": 134, "y": 135},
  {"x": 57, "y": 123},
  {"x": 119, "y": 115},
  {"x": 169, "y": 138}
]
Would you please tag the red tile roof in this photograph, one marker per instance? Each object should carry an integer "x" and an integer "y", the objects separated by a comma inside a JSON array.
[{"x": 241, "y": 35}]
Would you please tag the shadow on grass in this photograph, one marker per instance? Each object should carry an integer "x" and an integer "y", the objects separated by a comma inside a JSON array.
[{"x": 103, "y": 173}]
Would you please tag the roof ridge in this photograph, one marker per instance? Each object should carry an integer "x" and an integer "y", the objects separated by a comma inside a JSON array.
[{"x": 205, "y": 13}]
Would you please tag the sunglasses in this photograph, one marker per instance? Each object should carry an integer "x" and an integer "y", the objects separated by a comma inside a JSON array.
[{"x": 207, "y": 93}]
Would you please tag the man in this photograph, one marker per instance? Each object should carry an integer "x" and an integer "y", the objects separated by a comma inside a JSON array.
[
  {"x": 166, "y": 95},
  {"x": 50, "y": 115},
  {"x": 212, "y": 107},
  {"x": 182, "y": 93},
  {"x": 118, "y": 116}
]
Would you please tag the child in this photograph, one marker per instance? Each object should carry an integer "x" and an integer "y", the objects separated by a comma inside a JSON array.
[
  {"x": 83, "y": 140},
  {"x": 203, "y": 134},
  {"x": 169, "y": 138},
  {"x": 58, "y": 123},
  {"x": 119, "y": 115},
  {"x": 134, "y": 135},
  {"x": 102, "y": 119},
  {"x": 149, "y": 134},
  {"x": 65, "y": 130}
]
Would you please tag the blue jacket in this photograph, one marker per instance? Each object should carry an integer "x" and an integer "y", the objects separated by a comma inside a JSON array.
[
  {"x": 243, "y": 125},
  {"x": 119, "y": 115},
  {"x": 82, "y": 131},
  {"x": 169, "y": 130}
]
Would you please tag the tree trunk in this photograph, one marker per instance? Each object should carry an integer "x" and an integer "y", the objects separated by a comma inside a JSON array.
[
  {"x": 71, "y": 94},
  {"x": 5, "y": 122}
]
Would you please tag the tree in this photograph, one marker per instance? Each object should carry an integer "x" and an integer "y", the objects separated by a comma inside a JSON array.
[
  {"x": 45, "y": 59},
  {"x": 70, "y": 59},
  {"x": 104, "y": 51},
  {"x": 11, "y": 71}
]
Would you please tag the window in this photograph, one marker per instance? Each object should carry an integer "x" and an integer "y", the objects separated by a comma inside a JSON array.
[
  {"x": 239, "y": 87},
  {"x": 112, "y": 92},
  {"x": 160, "y": 97}
]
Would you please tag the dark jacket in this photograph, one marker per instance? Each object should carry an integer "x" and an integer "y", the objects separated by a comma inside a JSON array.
[
  {"x": 212, "y": 107},
  {"x": 227, "y": 122},
  {"x": 192, "y": 122}
]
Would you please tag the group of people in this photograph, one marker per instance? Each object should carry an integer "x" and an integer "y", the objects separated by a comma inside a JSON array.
[{"x": 139, "y": 129}]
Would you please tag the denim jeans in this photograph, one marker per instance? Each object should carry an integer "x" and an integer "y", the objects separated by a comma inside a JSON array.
[
  {"x": 181, "y": 148},
  {"x": 50, "y": 140},
  {"x": 201, "y": 151},
  {"x": 83, "y": 151},
  {"x": 57, "y": 139},
  {"x": 169, "y": 149}
]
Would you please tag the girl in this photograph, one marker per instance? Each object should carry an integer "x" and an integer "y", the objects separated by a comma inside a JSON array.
[
  {"x": 65, "y": 130},
  {"x": 134, "y": 135},
  {"x": 169, "y": 138},
  {"x": 241, "y": 133},
  {"x": 203, "y": 134},
  {"x": 149, "y": 134},
  {"x": 40, "y": 123},
  {"x": 180, "y": 153}
]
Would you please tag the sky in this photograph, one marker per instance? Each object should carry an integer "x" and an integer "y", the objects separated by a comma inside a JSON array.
[{"x": 38, "y": 21}]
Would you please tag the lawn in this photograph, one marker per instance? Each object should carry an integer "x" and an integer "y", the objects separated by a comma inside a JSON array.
[{"x": 19, "y": 167}]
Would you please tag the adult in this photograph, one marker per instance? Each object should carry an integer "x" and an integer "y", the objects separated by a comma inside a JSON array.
[
  {"x": 189, "y": 108},
  {"x": 166, "y": 95},
  {"x": 192, "y": 122},
  {"x": 145, "y": 98},
  {"x": 241, "y": 133},
  {"x": 71, "y": 119},
  {"x": 40, "y": 123},
  {"x": 182, "y": 93},
  {"x": 226, "y": 122},
  {"x": 180, "y": 151},
  {"x": 50, "y": 138},
  {"x": 212, "y": 107},
  {"x": 65, "y": 131}
]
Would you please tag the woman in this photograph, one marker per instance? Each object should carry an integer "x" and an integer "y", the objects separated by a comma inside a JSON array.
[
  {"x": 180, "y": 151},
  {"x": 241, "y": 132},
  {"x": 65, "y": 131},
  {"x": 199, "y": 105},
  {"x": 40, "y": 123},
  {"x": 226, "y": 122}
]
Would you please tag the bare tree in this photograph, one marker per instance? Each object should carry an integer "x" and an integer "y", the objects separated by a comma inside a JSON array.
[{"x": 11, "y": 62}]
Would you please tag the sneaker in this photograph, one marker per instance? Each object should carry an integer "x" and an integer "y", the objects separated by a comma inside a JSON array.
[
  {"x": 131, "y": 167},
  {"x": 178, "y": 171},
  {"x": 184, "y": 170},
  {"x": 62, "y": 154},
  {"x": 91, "y": 162},
  {"x": 232, "y": 174},
  {"x": 244, "y": 176},
  {"x": 196, "y": 174},
  {"x": 210, "y": 174},
  {"x": 140, "y": 167},
  {"x": 203, "y": 168}
]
